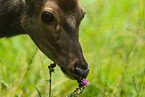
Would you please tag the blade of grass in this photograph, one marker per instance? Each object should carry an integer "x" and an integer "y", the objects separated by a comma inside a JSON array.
[{"x": 38, "y": 92}]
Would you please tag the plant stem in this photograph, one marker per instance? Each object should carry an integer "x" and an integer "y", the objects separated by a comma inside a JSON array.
[
  {"x": 50, "y": 84},
  {"x": 51, "y": 69}
]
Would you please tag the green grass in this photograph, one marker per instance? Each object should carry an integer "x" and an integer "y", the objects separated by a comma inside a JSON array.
[{"x": 112, "y": 36}]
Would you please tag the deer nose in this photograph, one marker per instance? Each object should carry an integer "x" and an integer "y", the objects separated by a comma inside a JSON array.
[{"x": 81, "y": 71}]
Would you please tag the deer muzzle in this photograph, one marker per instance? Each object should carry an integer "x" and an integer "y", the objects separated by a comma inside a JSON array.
[{"x": 77, "y": 70}]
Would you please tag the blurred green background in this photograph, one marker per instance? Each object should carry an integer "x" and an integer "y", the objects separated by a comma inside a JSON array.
[{"x": 112, "y": 36}]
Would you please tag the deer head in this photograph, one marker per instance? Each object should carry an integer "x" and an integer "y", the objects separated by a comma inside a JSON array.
[{"x": 54, "y": 25}]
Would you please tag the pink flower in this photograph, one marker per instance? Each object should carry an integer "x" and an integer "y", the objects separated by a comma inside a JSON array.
[{"x": 83, "y": 83}]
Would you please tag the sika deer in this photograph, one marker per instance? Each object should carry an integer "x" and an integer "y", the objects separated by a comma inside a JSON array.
[{"x": 53, "y": 25}]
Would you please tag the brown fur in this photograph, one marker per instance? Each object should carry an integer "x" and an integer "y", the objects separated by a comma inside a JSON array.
[
  {"x": 59, "y": 40},
  {"x": 10, "y": 13},
  {"x": 67, "y": 5}
]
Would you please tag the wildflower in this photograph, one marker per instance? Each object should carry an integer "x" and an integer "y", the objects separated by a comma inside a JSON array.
[
  {"x": 79, "y": 90},
  {"x": 83, "y": 83}
]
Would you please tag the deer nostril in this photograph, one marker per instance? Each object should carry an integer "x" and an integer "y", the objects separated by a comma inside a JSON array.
[{"x": 81, "y": 70}]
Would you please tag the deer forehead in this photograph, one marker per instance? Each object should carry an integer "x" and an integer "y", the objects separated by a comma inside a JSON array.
[
  {"x": 63, "y": 7},
  {"x": 66, "y": 6}
]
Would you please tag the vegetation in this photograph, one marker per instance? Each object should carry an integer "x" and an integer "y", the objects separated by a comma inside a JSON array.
[{"x": 112, "y": 36}]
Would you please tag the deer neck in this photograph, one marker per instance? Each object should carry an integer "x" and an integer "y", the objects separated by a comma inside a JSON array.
[{"x": 10, "y": 16}]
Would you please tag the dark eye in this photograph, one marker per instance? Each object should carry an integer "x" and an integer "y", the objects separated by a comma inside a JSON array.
[
  {"x": 84, "y": 14},
  {"x": 47, "y": 17}
]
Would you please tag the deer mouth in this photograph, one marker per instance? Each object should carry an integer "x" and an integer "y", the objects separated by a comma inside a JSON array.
[{"x": 67, "y": 74}]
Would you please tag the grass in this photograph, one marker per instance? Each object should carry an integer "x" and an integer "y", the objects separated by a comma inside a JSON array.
[{"x": 112, "y": 36}]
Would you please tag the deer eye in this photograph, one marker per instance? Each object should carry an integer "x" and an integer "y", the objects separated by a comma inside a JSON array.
[
  {"x": 47, "y": 17},
  {"x": 84, "y": 14}
]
